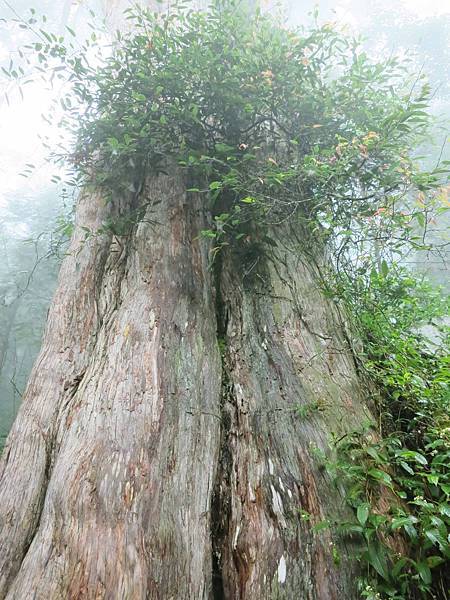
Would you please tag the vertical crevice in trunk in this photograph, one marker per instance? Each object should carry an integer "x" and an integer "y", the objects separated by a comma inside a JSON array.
[{"x": 220, "y": 506}]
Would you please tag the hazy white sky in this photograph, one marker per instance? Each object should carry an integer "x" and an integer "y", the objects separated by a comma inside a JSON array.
[{"x": 425, "y": 8}]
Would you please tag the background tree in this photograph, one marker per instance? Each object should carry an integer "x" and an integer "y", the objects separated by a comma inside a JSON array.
[{"x": 28, "y": 277}]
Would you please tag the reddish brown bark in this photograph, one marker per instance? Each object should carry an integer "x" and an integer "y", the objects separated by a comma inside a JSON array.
[
  {"x": 106, "y": 478},
  {"x": 158, "y": 452}
]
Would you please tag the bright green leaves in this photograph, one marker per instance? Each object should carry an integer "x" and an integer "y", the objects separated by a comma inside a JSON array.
[
  {"x": 139, "y": 97},
  {"x": 376, "y": 557},
  {"x": 113, "y": 144},
  {"x": 384, "y": 268},
  {"x": 261, "y": 112},
  {"x": 387, "y": 506},
  {"x": 398, "y": 485},
  {"x": 381, "y": 476},
  {"x": 362, "y": 513},
  {"x": 424, "y": 571},
  {"x": 412, "y": 455}
]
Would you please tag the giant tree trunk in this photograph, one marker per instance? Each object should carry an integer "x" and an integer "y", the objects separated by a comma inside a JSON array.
[{"x": 157, "y": 452}]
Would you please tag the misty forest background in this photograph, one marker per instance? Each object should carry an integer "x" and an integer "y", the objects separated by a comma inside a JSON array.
[{"x": 33, "y": 199}]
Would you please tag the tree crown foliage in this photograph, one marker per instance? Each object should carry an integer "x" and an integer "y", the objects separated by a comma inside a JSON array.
[{"x": 270, "y": 123}]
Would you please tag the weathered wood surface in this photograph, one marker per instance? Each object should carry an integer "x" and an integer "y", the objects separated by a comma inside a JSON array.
[
  {"x": 285, "y": 348},
  {"x": 158, "y": 452},
  {"x": 107, "y": 475}
]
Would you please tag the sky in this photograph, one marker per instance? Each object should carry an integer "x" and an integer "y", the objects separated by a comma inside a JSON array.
[{"x": 427, "y": 8}]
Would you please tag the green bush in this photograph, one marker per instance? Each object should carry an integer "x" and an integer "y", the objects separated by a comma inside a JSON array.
[{"x": 397, "y": 477}]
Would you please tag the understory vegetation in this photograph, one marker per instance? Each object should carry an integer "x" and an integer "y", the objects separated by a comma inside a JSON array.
[
  {"x": 271, "y": 125},
  {"x": 395, "y": 472}
]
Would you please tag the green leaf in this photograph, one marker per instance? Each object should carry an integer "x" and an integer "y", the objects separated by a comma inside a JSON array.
[
  {"x": 362, "y": 512},
  {"x": 113, "y": 143},
  {"x": 420, "y": 219},
  {"x": 377, "y": 560},
  {"x": 417, "y": 456},
  {"x": 208, "y": 233},
  {"x": 424, "y": 571},
  {"x": 407, "y": 523},
  {"x": 434, "y": 561},
  {"x": 224, "y": 148},
  {"x": 381, "y": 476},
  {"x": 432, "y": 478},
  {"x": 321, "y": 526},
  {"x": 435, "y": 537},
  {"x": 371, "y": 451},
  {"x": 407, "y": 467},
  {"x": 398, "y": 567}
]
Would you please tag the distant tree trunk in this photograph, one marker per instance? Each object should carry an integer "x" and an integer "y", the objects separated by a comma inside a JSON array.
[
  {"x": 10, "y": 317},
  {"x": 158, "y": 452}
]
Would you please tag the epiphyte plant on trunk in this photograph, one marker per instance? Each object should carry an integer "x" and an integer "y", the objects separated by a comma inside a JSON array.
[{"x": 228, "y": 165}]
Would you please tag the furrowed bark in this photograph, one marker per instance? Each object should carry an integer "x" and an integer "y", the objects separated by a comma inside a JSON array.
[
  {"x": 72, "y": 323},
  {"x": 284, "y": 348},
  {"x": 159, "y": 452},
  {"x": 108, "y": 475}
]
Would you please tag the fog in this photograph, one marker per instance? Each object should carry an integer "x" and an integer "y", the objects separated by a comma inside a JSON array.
[{"x": 32, "y": 204}]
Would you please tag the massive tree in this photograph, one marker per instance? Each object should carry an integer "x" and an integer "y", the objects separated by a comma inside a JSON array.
[{"x": 194, "y": 367}]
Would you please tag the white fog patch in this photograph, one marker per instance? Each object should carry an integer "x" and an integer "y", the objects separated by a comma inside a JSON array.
[{"x": 427, "y": 9}]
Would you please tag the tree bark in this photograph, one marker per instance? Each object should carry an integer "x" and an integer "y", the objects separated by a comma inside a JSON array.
[
  {"x": 158, "y": 452},
  {"x": 107, "y": 475},
  {"x": 285, "y": 348}
]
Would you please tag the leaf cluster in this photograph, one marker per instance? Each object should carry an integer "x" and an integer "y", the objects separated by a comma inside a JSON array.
[
  {"x": 270, "y": 124},
  {"x": 397, "y": 478}
]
